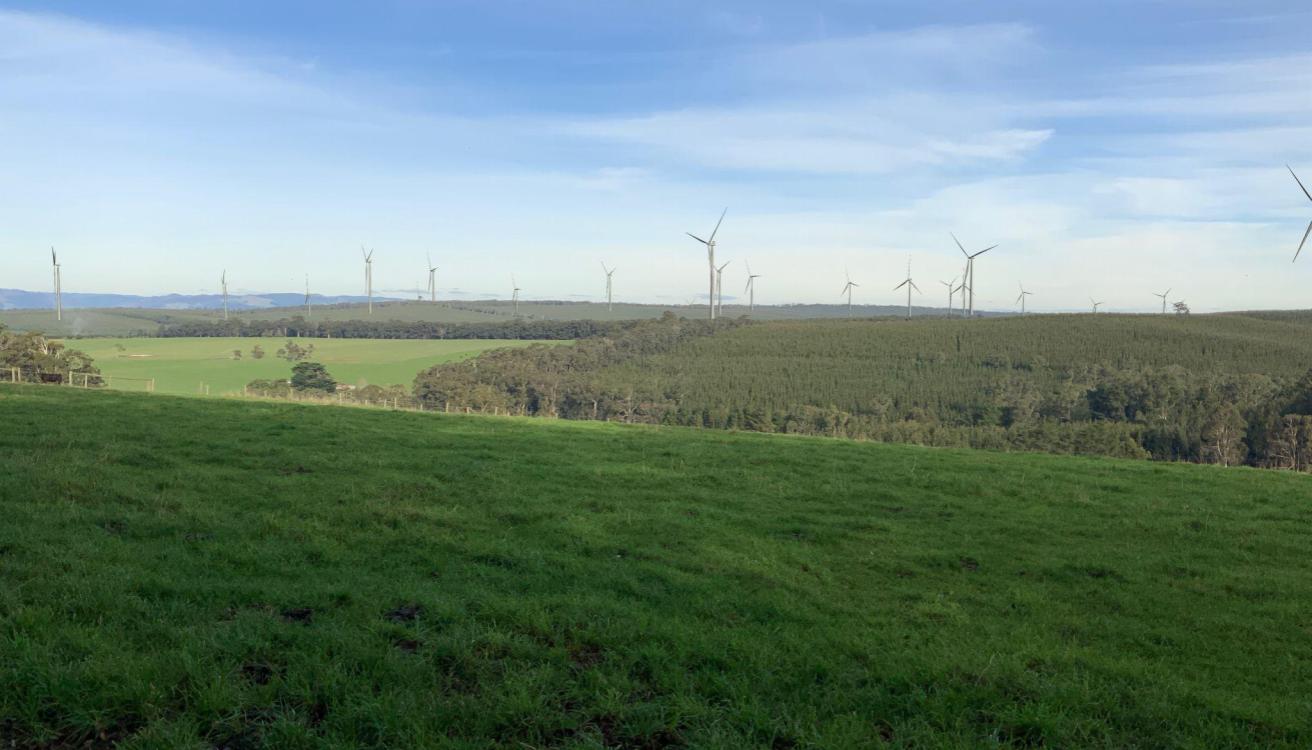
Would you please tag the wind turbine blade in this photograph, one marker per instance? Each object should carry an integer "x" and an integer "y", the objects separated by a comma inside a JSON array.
[
  {"x": 1300, "y": 182},
  {"x": 985, "y": 250},
  {"x": 1304, "y": 241},
  {"x": 913, "y": 286},
  {"x": 717, "y": 224},
  {"x": 899, "y": 286},
  {"x": 695, "y": 237},
  {"x": 963, "y": 250}
]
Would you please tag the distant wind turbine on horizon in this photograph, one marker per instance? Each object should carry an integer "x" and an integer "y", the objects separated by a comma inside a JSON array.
[
  {"x": 1163, "y": 296},
  {"x": 223, "y": 282},
  {"x": 307, "y": 296},
  {"x": 368, "y": 276},
  {"x": 514, "y": 294},
  {"x": 750, "y": 289},
  {"x": 432, "y": 279},
  {"x": 610, "y": 286},
  {"x": 1021, "y": 298},
  {"x": 909, "y": 284},
  {"x": 952, "y": 292},
  {"x": 719, "y": 288},
  {"x": 710, "y": 260},
  {"x": 1096, "y": 305},
  {"x": 59, "y": 285},
  {"x": 970, "y": 271},
  {"x": 847, "y": 289}
]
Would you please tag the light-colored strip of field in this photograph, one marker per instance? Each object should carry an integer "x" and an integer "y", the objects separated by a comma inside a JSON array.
[{"x": 186, "y": 365}]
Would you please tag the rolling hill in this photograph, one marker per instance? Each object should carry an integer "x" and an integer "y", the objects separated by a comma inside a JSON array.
[{"x": 185, "y": 572}]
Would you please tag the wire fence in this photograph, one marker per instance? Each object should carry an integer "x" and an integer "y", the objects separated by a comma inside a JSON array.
[{"x": 72, "y": 378}]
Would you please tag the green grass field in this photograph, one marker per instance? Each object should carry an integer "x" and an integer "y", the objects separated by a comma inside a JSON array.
[
  {"x": 210, "y": 573},
  {"x": 181, "y": 365}
]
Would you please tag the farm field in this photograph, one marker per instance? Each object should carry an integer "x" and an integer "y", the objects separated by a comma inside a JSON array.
[
  {"x": 180, "y": 365},
  {"x": 195, "y": 573}
]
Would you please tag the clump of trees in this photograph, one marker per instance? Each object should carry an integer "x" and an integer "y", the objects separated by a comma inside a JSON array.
[
  {"x": 257, "y": 352},
  {"x": 294, "y": 352},
  {"x": 33, "y": 355},
  {"x": 312, "y": 376}
]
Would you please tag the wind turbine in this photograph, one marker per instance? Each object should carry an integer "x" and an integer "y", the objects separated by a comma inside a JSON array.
[
  {"x": 59, "y": 286},
  {"x": 610, "y": 272},
  {"x": 952, "y": 292},
  {"x": 307, "y": 296},
  {"x": 970, "y": 270},
  {"x": 223, "y": 281},
  {"x": 1021, "y": 298},
  {"x": 368, "y": 276},
  {"x": 719, "y": 288},
  {"x": 847, "y": 289},
  {"x": 909, "y": 284},
  {"x": 514, "y": 294},
  {"x": 710, "y": 259},
  {"x": 1309, "y": 224},
  {"x": 1163, "y": 296},
  {"x": 432, "y": 279},
  {"x": 750, "y": 289},
  {"x": 1096, "y": 305}
]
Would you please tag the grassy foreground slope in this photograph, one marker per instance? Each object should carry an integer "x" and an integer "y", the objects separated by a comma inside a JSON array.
[{"x": 187, "y": 573}]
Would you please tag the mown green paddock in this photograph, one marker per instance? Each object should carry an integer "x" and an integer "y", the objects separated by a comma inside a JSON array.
[
  {"x": 195, "y": 573},
  {"x": 182, "y": 365}
]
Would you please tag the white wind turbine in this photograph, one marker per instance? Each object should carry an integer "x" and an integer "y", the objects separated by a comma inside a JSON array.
[
  {"x": 847, "y": 289},
  {"x": 59, "y": 285},
  {"x": 750, "y": 289},
  {"x": 909, "y": 284},
  {"x": 368, "y": 276},
  {"x": 514, "y": 294},
  {"x": 710, "y": 260},
  {"x": 610, "y": 285},
  {"x": 1163, "y": 296},
  {"x": 432, "y": 279},
  {"x": 223, "y": 282},
  {"x": 1021, "y": 298},
  {"x": 719, "y": 288},
  {"x": 952, "y": 292},
  {"x": 307, "y": 296},
  {"x": 1309, "y": 224},
  {"x": 970, "y": 271},
  {"x": 1096, "y": 305}
]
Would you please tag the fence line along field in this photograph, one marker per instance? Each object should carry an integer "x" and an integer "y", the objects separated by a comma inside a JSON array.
[{"x": 181, "y": 365}]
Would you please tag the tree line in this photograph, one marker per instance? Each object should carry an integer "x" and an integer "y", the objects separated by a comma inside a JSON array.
[
  {"x": 395, "y": 329},
  {"x": 1216, "y": 390}
]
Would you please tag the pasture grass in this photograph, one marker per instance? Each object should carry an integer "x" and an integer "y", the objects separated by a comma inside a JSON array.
[
  {"x": 210, "y": 573},
  {"x": 180, "y": 365}
]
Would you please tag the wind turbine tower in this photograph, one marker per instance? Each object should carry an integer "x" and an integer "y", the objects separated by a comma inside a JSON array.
[
  {"x": 514, "y": 294},
  {"x": 307, "y": 296},
  {"x": 59, "y": 286},
  {"x": 719, "y": 288},
  {"x": 847, "y": 289},
  {"x": 970, "y": 271},
  {"x": 368, "y": 276},
  {"x": 710, "y": 260},
  {"x": 952, "y": 292},
  {"x": 1021, "y": 298},
  {"x": 909, "y": 284},
  {"x": 750, "y": 289},
  {"x": 1309, "y": 224},
  {"x": 610, "y": 273},
  {"x": 1163, "y": 296},
  {"x": 223, "y": 282},
  {"x": 432, "y": 280},
  {"x": 1096, "y": 305}
]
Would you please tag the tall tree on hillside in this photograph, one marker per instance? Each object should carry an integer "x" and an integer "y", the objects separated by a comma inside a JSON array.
[{"x": 312, "y": 376}]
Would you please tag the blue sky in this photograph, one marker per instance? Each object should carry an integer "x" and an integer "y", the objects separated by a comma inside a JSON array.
[{"x": 1111, "y": 149}]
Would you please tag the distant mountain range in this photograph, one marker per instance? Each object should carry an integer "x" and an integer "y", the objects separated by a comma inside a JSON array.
[{"x": 18, "y": 299}]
